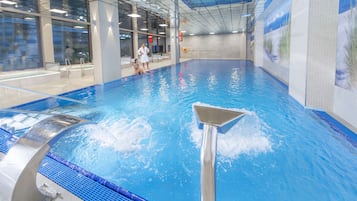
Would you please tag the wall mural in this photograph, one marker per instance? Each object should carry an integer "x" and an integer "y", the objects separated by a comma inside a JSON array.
[
  {"x": 277, "y": 35},
  {"x": 346, "y": 61}
]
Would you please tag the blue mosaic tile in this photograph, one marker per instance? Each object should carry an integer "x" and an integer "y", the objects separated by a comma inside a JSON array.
[
  {"x": 76, "y": 183},
  {"x": 6, "y": 140},
  {"x": 97, "y": 179}
]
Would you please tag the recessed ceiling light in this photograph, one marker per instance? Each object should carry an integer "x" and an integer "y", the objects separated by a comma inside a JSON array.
[
  {"x": 211, "y": 33},
  {"x": 78, "y": 27},
  {"x": 134, "y": 15},
  {"x": 55, "y": 10},
  {"x": 163, "y": 25},
  {"x": 8, "y": 2},
  {"x": 161, "y": 32}
]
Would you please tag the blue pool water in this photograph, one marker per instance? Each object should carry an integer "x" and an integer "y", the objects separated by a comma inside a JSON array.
[{"x": 146, "y": 139}]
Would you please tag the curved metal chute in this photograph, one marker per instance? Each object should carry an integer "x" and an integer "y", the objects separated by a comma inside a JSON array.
[{"x": 18, "y": 169}]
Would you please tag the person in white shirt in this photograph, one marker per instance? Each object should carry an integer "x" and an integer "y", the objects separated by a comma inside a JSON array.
[{"x": 144, "y": 57}]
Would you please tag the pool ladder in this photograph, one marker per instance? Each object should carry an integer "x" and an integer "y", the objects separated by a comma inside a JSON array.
[
  {"x": 212, "y": 120},
  {"x": 18, "y": 169}
]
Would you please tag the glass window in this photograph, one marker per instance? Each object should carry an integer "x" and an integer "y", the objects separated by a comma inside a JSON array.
[
  {"x": 126, "y": 47},
  {"x": 124, "y": 19},
  {"x": 70, "y": 36},
  {"x": 25, "y": 5},
  {"x": 143, "y": 38},
  {"x": 153, "y": 23},
  {"x": 142, "y": 21},
  {"x": 158, "y": 45},
  {"x": 76, "y": 10},
  {"x": 19, "y": 47}
]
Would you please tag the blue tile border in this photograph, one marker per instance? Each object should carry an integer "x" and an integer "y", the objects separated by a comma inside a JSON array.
[
  {"x": 283, "y": 84},
  {"x": 79, "y": 185},
  {"x": 338, "y": 127},
  {"x": 97, "y": 179}
]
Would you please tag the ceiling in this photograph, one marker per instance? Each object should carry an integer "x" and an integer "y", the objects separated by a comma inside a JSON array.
[{"x": 202, "y": 17}]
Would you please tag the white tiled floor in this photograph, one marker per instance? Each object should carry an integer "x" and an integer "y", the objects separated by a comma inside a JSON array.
[{"x": 11, "y": 97}]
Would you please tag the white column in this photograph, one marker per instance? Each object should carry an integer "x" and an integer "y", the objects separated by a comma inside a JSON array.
[
  {"x": 105, "y": 40},
  {"x": 174, "y": 32},
  {"x": 46, "y": 32},
  {"x": 259, "y": 43},
  {"x": 313, "y": 52},
  {"x": 135, "y": 32}
]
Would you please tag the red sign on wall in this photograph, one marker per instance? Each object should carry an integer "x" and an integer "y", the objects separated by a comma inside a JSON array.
[
  {"x": 181, "y": 36},
  {"x": 150, "y": 38}
]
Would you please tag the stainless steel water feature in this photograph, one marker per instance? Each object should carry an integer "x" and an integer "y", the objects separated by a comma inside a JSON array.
[
  {"x": 212, "y": 120},
  {"x": 19, "y": 167}
]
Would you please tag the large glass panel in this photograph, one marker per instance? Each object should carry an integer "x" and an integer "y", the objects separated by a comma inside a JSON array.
[
  {"x": 76, "y": 10},
  {"x": 142, "y": 21},
  {"x": 74, "y": 36},
  {"x": 126, "y": 47},
  {"x": 143, "y": 38},
  {"x": 158, "y": 45},
  {"x": 25, "y": 5},
  {"x": 154, "y": 22},
  {"x": 19, "y": 46},
  {"x": 124, "y": 19}
]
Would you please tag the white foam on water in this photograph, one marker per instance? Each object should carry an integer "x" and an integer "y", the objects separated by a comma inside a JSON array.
[
  {"x": 123, "y": 135},
  {"x": 246, "y": 137}
]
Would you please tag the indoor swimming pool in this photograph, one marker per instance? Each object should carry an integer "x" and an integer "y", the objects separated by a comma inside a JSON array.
[{"x": 144, "y": 136}]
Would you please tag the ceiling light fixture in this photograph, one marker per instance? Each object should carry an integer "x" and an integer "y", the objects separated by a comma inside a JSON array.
[
  {"x": 235, "y": 31},
  {"x": 211, "y": 33},
  {"x": 55, "y": 10},
  {"x": 144, "y": 29},
  {"x": 8, "y": 2},
  {"x": 163, "y": 25},
  {"x": 162, "y": 32},
  {"x": 134, "y": 15},
  {"x": 192, "y": 34},
  {"x": 78, "y": 27}
]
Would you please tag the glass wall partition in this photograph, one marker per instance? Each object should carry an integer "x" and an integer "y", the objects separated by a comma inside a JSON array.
[
  {"x": 24, "y": 5},
  {"x": 158, "y": 45},
  {"x": 124, "y": 9},
  {"x": 75, "y": 10},
  {"x": 19, "y": 47},
  {"x": 142, "y": 21},
  {"x": 70, "y": 40},
  {"x": 126, "y": 47}
]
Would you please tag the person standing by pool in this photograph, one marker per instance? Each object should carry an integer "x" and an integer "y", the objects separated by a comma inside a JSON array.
[
  {"x": 68, "y": 55},
  {"x": 144, "y": 57}
]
